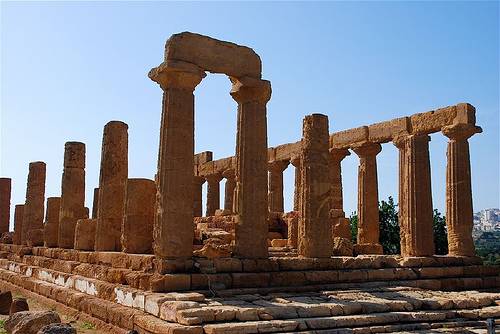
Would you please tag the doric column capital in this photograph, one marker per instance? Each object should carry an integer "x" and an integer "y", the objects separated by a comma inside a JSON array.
[
  {"x": 295, "y": 160},
  {"x": 366, "y": 149},
  {"x": 229, "y": 174},
  {"x": 460, "y": 131},
  {"x": 399, "y": 141},
  {"x": 338, "y": 154},
  {"x": 247, "y": 89},
  {"x": 199, "y": 180},
  {"x": 278, "y": 166},
  {"x": 214, "y": 178},
  {"x": 176, "y": 74}
]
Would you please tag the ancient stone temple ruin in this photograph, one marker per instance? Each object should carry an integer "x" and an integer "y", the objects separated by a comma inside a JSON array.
[{"x": 148, "y": 259}]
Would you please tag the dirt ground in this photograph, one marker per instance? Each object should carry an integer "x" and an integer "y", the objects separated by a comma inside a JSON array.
[{"x": 81, "y": 327}]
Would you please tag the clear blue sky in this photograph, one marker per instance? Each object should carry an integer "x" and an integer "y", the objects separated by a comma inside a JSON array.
[{"x": 68, "y": 68}]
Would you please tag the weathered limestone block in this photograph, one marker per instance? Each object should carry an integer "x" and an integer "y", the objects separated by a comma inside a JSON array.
[
  {"x": 18, "y": 305},
  {"x": 173, "y": 228},
  {"x": 95, "y": 203},
  {"x": 314, "y": 223},
  {"x": 35, "y": 197},
  {"x": 213, "y": 55},
  {"x": 368, "y": 220},
  {"x": 336, "y": 157},
  {"x": 275, "y": 197},
  {"x": 342, "y": 247},
  {"x": 137, "y": 229},
  {"x": 35, "y": 237},
  {"x": 112, "y": 186},
  {"x": 72, "y": 193},
  {"x": 251, "y": 166},
  {"x": 459, "y": 215},
  {"x": 5, "y": 191},
  {"x": 18, "y": 223},
  {"x": 51, "y": 228},
  {"x": 85, "y": 231},
  {"x": 341, "y": 228},
  {"x": 344, "y": 139},
  {"x": 213, "y": 193}
]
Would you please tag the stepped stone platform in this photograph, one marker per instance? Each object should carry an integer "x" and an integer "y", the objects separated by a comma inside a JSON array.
[{"x": 364, "y": 294}]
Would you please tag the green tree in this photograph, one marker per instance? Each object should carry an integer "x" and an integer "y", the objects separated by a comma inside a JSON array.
[
  {"x": 440, "y": 234},
  {"x": 389, "y": 227},
  {"x": 353, "y": 219}
]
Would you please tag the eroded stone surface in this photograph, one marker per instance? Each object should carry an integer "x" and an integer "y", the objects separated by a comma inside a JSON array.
[{"x": 35, "y": 197}]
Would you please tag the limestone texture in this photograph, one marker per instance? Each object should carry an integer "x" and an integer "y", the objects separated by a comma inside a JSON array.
[
  {"x": 137, "y": 229},
  {"x": 51, "y": 227},
  {"x": 112, "y": 186},
  {"x": 5, "y": 192},
  {"x": 85, "y": 233},
  {"x": 35, "y": 197},
  {"x": 18, "y": 224}
]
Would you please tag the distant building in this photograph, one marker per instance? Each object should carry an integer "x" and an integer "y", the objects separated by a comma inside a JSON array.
[{"x": 487, "y": 220}]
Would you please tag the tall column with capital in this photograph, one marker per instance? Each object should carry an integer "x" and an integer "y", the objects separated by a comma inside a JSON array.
[
  {"x": 459, "y": 214},
  {"x": 314, "y": 230},
  {"x": 417, "y": 217},
  {"x": 368, "y": 218},
  {"x": 340, "y": 224},
  {"x": 198, "y": 196},
  {"x": 230, "y": 176},
  {"x": 275, "y": 198},
  {"x": 112, "y": 186},
  {"x": 5, "y": 190},
  {"x": 35, "y": 198},
  {"x": 213, "y": 193},
  {"x": 251, "y": 166},
  {"x": 72, "y": 193},
  {"x": 295, "y": 161},
  {"x": 400, "y": 144},
  {"x": 173, "y": 227}
]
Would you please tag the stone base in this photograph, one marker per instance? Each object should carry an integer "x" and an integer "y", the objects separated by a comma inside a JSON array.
[{"x": 368, "y": 249}]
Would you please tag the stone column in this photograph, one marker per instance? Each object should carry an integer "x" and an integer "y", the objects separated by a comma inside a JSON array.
[
  {"x": 251, "y": 167},
  {"x": 95, "y": 203},
  {"x": 173, "y": 229},
  {"x": 5, "y": 191},
  {"x": 459, "y": 214},
  {"x": 35, "y": 197},
  {"x": 18, "y": 224},
  {"x": 229, "y": 175},
  {"x": 314, "y": 224},
  {"x": 368, "y": 219},
  {"x": 275, "y": 197},
  {"x": 112, "y": 186},
  {"x": 198, "y": 196},
  {"x": 417, "y": 218},
  {"x": 51, "y": 228},
  {"x": 400, "y": 144},
  {"x": 297, "y": 192},
  {"x": 213, "y": 193},
  {"x": 72, "y": 193},
  {"x": 85, "y": 234},
  {"x": 137, "y": 229},
  {"x": 340, "y": 224}
]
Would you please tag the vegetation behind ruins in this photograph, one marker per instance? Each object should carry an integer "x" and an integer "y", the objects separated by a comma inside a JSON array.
[{"x": 487, "y": 245}]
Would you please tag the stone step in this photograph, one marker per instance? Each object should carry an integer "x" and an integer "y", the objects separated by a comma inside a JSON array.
[
  {"x": 447, "y": 278},
  {"x": 109, "y": 312}
]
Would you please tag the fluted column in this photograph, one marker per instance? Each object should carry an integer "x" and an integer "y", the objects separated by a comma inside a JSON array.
[
  {"x": 95, "y": 203},
  {"x": 340, "y": 224},
  {"x": 275, "y": 197},
  {"x": 213, "y": 193},
  {"x": 35, "y": 197},
  {"x": 459, "y": 213},
  {"x": 72, "y": 193},
  {"x": 198, "y": 196},
  {"x": 18, "y": 224},
  {"x": 112, "y": 186},
  {"x": 400, "y": 144},
  {"x": 173, "y": 228},
  {"x": 251, "y": 166},
  {"x": 417, "y": 218},
  {"x": 51, "y": 227},
  {"x": 5, "y": 191},
  {"x": 297, "y": 192},
  {"x": 230, "y": 176},
  {"x": 314, "y": 230},
  {"x": 368, "y": 217}
]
